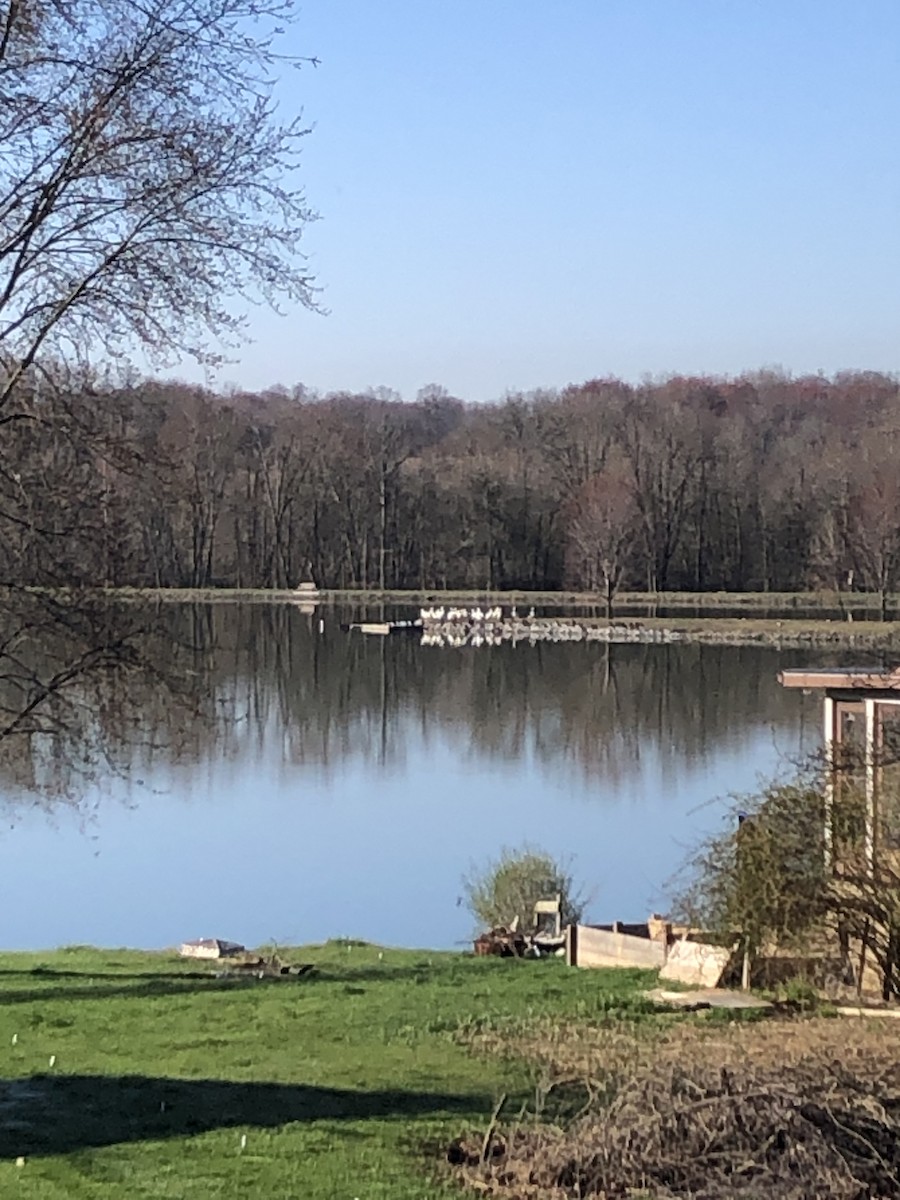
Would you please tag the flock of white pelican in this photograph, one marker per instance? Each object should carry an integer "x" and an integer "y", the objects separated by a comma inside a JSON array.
[
  {"x": 443, "y": 625},
  {"x": 467, "y": 616},
  {"x": 490, "y": 627}
]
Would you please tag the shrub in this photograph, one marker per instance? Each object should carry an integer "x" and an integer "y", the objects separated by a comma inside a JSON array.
[
  {"x": 764, "y": 875},
  {"x": 796, "y": 870},
  {"x": 506, "y": 888}
]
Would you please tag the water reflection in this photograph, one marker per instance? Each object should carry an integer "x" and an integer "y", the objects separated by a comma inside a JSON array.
[{"x": 305, "y": 784}]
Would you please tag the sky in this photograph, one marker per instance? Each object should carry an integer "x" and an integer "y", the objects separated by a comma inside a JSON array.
[{"x": 521, "y": 194}]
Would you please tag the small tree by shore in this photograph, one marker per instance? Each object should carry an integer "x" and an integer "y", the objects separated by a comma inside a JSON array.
[
  {"x": 796, "y": 871},
  {"x": 505, "y": 889},
  {"x": 764, "y": 874}
]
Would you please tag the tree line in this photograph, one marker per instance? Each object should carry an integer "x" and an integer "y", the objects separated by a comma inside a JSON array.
[{"x": 759, "y": 483}]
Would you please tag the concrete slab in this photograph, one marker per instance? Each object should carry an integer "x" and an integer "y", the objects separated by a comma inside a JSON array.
[{"x": 705, "y": 998}]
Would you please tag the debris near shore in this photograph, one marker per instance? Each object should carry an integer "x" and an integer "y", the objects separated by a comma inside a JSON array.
[
  {"x": 240, "y": 963},
  {"x": 260, "y": 966},
  {"x": 210, "y": 948},
  {"x": 509, "y": 942},
  {"x": 788, "y": 1110},
  {"x": 500, "y": 942}
]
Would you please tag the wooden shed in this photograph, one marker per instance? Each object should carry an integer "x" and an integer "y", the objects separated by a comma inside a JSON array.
[{"x": 861, "y": 736}]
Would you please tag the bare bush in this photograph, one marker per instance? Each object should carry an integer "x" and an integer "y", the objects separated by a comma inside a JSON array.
[{"x": 790, "y": 1111}]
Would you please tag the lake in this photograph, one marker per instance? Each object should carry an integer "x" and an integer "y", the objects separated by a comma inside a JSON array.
[{"x": 341, "y": 785}]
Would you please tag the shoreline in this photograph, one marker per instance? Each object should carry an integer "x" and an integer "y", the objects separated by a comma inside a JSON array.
[
  {"x": 787, "y": 634},
  {"x": 782, "y": 602},
  {"x": 798, "y": 624}
]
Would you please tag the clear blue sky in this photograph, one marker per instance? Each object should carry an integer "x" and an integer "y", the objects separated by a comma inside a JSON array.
[{"x": 523, "y": 193}]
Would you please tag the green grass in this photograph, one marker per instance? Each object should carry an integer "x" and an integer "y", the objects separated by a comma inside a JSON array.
[{"x": 348, "y": 1084}]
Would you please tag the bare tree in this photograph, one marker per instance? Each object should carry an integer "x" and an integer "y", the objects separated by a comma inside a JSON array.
[
  {"x": 147, "y": 188},
  {"x": 874, "y": 519},
  {"x": 659, "y": 436},
  {"x": 144, "y": 178},
  {"x": 602, "y": 530}
]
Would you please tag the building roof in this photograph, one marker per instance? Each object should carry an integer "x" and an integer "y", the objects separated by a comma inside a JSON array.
[{"x": 882, "y": 679}]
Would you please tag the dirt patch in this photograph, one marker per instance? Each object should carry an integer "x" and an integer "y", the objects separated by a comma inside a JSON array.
[{"x": 789, "y": 1111}]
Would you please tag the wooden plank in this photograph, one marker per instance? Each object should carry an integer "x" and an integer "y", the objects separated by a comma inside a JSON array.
[
  {"x": 590, "y": 947},
  {"x": 871, "y": 780},
  {"x": 854, "y": 1011},
  {"x": 571, "y": 936}
]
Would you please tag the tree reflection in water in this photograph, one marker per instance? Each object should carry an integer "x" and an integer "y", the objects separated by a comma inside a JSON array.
[{"x": 378, "y": 769}]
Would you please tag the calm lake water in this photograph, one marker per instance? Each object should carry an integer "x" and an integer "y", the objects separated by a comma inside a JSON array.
[{"x": 343, "y": 784}]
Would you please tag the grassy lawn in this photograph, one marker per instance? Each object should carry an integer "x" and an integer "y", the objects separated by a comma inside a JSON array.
[{"x": 166, "y": 1082}]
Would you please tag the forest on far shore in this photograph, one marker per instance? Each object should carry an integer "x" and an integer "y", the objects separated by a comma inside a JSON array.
[{"x": 758, "y": 483}]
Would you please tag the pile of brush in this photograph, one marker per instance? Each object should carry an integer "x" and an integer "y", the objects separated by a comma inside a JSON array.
[{"x": 789, "y": 1112}]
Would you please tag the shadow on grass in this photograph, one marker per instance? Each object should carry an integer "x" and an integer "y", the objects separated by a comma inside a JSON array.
[
  {"x": 61, "y": 1114},
  {"x": 73, "y": 985},
  {"x": 50, "y": 983}
]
